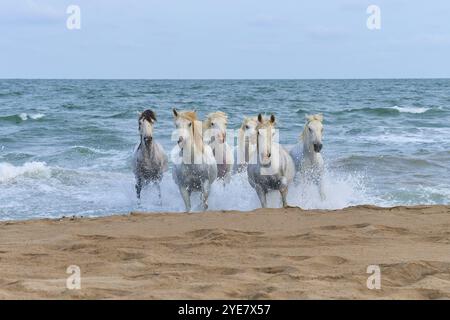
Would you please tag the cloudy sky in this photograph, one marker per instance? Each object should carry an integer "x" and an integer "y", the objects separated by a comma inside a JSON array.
[{"x": 224, "y": 39}]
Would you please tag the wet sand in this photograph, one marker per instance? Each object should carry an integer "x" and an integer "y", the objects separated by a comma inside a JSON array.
[{"x": 264, "y": 254}]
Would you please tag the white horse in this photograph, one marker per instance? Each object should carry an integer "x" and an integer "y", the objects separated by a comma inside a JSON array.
[
  {"x": 271, "y": 166},
  {"x": 215, "y": 135},
  {"x": 195, "y": 167},
  {"x": 149, "y": 160},
  {"x": 246, "y": 143},
  {"x": 306, "y": 153}
]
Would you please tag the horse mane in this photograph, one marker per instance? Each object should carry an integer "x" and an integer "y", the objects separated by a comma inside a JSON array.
[
  {"x": 196, "y": 127},
  {"x": 242, "y": 128},
  {"x": 309, "y": 119},
  {"x": 215, "y": 115},
  {"x": 188, "y": 115},
  {"x": 247, "y": 120},
  {"x": 314, "y": 117},
  {"x": 148, "y": 115}
]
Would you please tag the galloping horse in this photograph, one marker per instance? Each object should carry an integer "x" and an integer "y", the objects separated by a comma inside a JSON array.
[
  {"x": 195, "y": 167},
  {"x": 246, "y": 143},
  {"x": 306, "y": 153},
  {"x": 271, "y": 167},
  {"x": 150, "y": 160},
  {"x": 214, "y": 131}
]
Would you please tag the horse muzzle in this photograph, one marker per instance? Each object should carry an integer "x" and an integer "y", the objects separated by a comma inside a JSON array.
[
  {"x": 266, "y": 160},
  {"x": 221, "y": 137},
  {"x": 148, "y": 140},
  {"x": 318, "y": 147}
]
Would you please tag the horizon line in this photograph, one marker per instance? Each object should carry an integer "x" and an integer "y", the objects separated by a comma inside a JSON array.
[{"x": 232, "y": 79}]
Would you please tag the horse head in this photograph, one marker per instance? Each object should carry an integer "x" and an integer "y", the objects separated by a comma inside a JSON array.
[
  {"x": 265, "y": 134},
  {"x": 313, "y": 132},
  {"x": 146, "y": 122},
  {"x": 215, "y": 126}
]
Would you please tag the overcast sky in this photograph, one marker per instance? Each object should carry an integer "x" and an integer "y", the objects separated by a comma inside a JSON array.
[{"x": 224, "y": 39}]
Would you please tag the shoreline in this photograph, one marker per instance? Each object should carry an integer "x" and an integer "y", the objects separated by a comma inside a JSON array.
[{"x": 262, "y": 254}]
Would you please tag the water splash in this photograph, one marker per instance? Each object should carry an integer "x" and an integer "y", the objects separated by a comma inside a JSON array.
[{"x": 10, "y": 172}]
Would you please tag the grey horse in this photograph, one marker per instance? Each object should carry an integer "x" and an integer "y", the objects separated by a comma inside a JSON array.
[
  {"x": 195, "y": 167},
  {"x": 150, "y": 160},
  {"x": 306, "y": 153},
  {"x": 271, "y": 167}
]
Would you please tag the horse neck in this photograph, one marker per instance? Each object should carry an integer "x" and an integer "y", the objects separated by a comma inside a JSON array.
[
  {"x": 195, "y": 146},
  {"x": 147, "y": 149}
]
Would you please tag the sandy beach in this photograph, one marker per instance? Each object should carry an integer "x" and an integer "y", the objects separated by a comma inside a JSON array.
[{"x": 265, "y": 254}]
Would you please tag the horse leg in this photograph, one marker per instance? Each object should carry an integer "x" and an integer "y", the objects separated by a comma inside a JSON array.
[
  {"x": 321, "y": 189},
  {"x": 205, "y": 194},
  {"x": 227, "y": 178},
  {"x": 186, "y": 194},
  {"x": 261, "y": 195},
  {"x": 158, "y": 188},
  {"x": 138, "y": 187},
  {"x": 297, "y": 179},
  {"x": 284, "y": 192}
]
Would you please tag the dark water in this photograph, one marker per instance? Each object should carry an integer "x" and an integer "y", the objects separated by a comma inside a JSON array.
[{"x": 66, "y": 145}]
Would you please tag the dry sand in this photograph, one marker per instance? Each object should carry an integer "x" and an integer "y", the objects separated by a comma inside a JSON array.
[{"x": 265, "y": 254}]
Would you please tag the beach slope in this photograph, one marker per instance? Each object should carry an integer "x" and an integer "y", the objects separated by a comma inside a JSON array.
[{"x": 264, "y": 254}]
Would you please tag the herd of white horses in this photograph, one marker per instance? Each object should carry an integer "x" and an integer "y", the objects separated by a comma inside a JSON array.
[{"x": 204, "y": 155}]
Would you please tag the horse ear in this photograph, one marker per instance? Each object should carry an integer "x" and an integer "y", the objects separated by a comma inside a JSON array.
[
  {"x": 175, "y": 112},
  {"x": 260, "y": 118},
  {"x": 272, "y": 118},
  {"x": 308, "y": 117}
]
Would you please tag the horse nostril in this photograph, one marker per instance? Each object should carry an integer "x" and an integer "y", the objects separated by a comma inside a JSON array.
[{"x": 269, "y": 155}]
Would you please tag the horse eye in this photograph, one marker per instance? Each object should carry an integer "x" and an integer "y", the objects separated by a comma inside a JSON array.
[
  {"x": 190, "y": 124},
  {"x": 247, "y": 127},
  {"x": 310, "y": 130}
]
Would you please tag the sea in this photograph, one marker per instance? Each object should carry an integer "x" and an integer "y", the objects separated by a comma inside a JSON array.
[{"x": 66, "y": 145}]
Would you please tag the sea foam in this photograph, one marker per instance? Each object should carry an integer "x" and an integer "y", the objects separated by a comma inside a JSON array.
[
  {"x": 10, "y": 172},
  {"x": 411, "y": 109}
]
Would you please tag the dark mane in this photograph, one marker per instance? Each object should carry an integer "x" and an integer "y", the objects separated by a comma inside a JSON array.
[{"x": 148, "y": 115}]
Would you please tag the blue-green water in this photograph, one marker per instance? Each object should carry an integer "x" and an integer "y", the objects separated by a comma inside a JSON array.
[{"x": 66, "y": 145}]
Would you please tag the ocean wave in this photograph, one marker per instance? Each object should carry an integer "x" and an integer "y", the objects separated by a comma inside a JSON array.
[
  {"x": 10, "y": 172},
  {"x": 11, "y": 93},
  {"x": 119, "y": 115},
  {"x": 385, "y": 111},
  {"x": 70, "y": 106},
  {"x": 391, "y": 162},
  {"x": 83, "y": 150},
  {"x": 411, "y": 109},
  {"x": 20, "y": 117}
]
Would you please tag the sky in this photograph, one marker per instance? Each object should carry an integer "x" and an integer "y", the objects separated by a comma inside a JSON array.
[{"x": 224, "y": 39}]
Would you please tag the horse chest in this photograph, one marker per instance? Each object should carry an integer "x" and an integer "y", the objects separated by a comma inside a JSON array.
[
  {"x": 148, "y": 169},
  {"x": 222, "y": 170},
  {"x": 192, "y": 176},
  {"x": 270, "y": 182},
  {"x": 267, "y": 182}
]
